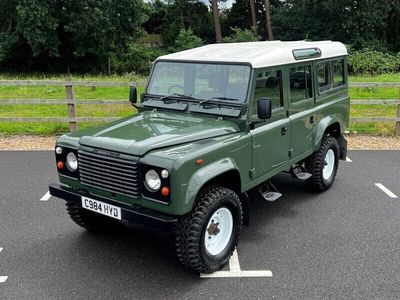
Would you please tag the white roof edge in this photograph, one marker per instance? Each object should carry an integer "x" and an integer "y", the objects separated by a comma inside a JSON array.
[{"x": 258, "y": 54}]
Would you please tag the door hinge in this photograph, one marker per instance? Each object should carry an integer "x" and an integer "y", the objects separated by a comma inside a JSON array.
[
  {"x": 252, "y": 173},
  {"x": 290, "y": 152}
]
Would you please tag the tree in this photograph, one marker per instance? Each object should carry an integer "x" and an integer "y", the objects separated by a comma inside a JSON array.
[
  {"x": 253, "y": 15},
  {"x": 169, "y": 18},
  {"x": 186, "y": 40},
  {"x": 268, "y": 19},
  {"x": 242, "y": 35},
  {"x": 217, "y": 24},
  {"x": 239, "y": 15},
  {"x": 68, "y": 31}
]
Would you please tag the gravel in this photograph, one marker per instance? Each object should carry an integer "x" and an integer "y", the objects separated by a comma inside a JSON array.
[{"x": 355, "y": 142}]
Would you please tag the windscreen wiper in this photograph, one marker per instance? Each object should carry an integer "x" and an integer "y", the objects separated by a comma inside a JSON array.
[
  {"x": 218, "y": 98},
  {"x": 175, "y": 95}
]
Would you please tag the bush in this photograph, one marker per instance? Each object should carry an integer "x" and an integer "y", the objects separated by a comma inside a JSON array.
[
  {"x": 242, "y": 35},
  {"x": 137, "y": 59},
  {"x": 373, "y": 62},
  {"x": 186, "y": 40}
]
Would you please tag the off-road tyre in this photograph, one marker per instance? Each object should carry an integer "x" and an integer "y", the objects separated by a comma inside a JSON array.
[
  {"x": 190, "y": 240},
  {"x": 316, "y": 162},
  {"x": 89, "y": 220}
]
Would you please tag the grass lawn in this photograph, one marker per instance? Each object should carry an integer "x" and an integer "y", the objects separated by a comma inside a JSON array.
[
  {"x": 58, "y": 92},
  {"x": 374, "y": 128}
]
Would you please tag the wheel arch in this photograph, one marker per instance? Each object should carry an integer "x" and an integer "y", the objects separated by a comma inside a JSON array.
[
  {"x": 327, "y": 125},
  {"x": 221, "y": 173},
  {"x": 331, "y": 126}
]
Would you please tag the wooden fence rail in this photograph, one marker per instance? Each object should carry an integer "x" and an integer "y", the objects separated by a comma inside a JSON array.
[{"x": 71, "y": 102}]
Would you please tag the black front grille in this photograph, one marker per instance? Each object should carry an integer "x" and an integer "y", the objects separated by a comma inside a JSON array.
[{"x": 112, "y": 174}]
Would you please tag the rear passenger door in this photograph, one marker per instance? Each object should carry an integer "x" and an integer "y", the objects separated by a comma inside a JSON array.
[
  {"x": 271, "y": 138},
  {"x": 301, "y": 109}
]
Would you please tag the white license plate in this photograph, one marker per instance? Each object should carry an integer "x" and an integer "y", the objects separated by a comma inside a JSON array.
[{"x": 102, "y": 208}]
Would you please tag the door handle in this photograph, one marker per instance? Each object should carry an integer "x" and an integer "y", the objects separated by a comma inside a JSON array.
[{"x": 283, "y": 130}]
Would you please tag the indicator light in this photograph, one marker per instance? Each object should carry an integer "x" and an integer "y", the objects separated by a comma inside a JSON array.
[
  {"x": 165, "y": 191},
  {"x": 199, "y": 162},
  {"x": 58, "y": 150},
  {"x": 60, "y": 165}
]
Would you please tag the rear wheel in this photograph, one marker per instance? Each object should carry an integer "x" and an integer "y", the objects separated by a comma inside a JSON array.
[
  {"x": 207, "y": 236},
  {"x": 323, "y": 164},
  {"x": 89, "y": 220}
]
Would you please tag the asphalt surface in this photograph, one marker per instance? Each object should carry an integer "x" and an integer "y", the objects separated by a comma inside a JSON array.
[{"x": 341, "y": 244}]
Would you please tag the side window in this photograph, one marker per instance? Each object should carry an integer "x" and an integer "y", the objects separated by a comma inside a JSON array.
[
  {"x": 338, "y": 75},
  {"x": 324, "y": 76},
  {"x": 269, "y": 85},
  {"x": 300, "y": 83}
]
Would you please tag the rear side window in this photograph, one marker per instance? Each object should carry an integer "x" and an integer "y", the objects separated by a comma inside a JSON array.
[
  {"x": 324, "y": 76},
  {"x": 300, "y": 83},
  {"x": 337, "y": 71},
  {"x": 269, "y": 85}
]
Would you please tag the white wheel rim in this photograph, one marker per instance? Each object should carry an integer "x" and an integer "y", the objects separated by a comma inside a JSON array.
[
  {"x": 329, "y": 163},
  {"x": 219, "y": 231}
]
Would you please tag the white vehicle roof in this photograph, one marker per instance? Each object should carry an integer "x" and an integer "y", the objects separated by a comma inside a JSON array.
[{"x": 258, "y": 54}]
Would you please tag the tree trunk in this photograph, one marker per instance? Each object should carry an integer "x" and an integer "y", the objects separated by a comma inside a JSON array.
[
  {"x": 217, "y": 23},
  {"x": 269, "y": 21},
  {"x": 253, "y": 15}
]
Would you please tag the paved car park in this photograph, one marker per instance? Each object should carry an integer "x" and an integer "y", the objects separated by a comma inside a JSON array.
[{"x": 340, "y": 244}]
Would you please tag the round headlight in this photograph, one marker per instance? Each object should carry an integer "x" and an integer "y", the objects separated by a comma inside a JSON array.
[
  {"x": 72, "y": 162},
  {"x": 58, "y": 150},
  {"x": 153, "y": 181}
]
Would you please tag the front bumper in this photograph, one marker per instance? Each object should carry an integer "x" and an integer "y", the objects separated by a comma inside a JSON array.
[{"x": 131, "y": 214}]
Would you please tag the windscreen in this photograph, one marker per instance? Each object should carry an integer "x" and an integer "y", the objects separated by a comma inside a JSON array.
[{"x": 200, "y": 80}]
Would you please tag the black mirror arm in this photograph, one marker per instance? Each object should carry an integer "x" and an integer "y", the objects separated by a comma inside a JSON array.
[{"x": 253, "y": 123}]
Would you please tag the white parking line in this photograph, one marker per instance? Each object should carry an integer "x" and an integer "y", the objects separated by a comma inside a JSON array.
[
  {"x": 348, "y": 159},
  {"x": 3, "y": 278},
  {"x": 386, "y": 190},
  {"x": 235, "y": 270},
  {"x": 45, "y": 197},
  {"x": 234, "y": 265}
]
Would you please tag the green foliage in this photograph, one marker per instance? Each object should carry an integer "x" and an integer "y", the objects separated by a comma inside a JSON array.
[
  {"x": 373, "y": 62},
  {"x": 242, "y": 35},
  {"x": 186, "y": 40},
  {"x": 85, "y": 35},
  {"x": 39, "y": 31},
  {"x": 137, "y": 59},
  {"x": 38, "y": 25},
  {"x": 169, "y": 18}
]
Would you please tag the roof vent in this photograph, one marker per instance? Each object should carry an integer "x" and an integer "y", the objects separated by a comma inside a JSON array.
[{"x": 307, "y": 53}]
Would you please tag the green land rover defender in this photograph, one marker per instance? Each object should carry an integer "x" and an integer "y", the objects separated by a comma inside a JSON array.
[{"x": 214, "y": 125}]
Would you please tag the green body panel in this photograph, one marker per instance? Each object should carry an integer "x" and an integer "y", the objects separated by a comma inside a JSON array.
[
  {"x": 220, "y": 155},
  {"x": 255, "y": 150},
  {"x": 269, "y": 147},
  {"x": 149, "y": 130}
]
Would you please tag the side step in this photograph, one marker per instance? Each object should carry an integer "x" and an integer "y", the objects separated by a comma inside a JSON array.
[
  {"x": 271, "y": 193},
  {"x": 299, "y": 172}
]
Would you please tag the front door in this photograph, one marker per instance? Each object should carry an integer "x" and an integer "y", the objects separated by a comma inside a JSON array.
[{"x": 270, "y": 139}]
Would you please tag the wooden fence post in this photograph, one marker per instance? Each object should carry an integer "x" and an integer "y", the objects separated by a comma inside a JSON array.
[{"x": 71, "y": 105}]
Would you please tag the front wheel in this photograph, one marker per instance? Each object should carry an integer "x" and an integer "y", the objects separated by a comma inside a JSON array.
[
  {"x": 323, "y": 164},
  {"x": 207, "y": 237}
]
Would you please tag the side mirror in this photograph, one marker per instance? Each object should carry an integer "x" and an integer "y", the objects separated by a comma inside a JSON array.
[
  {"x": 133, "y": 95},
  {"x": 264, "y": 108}
]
